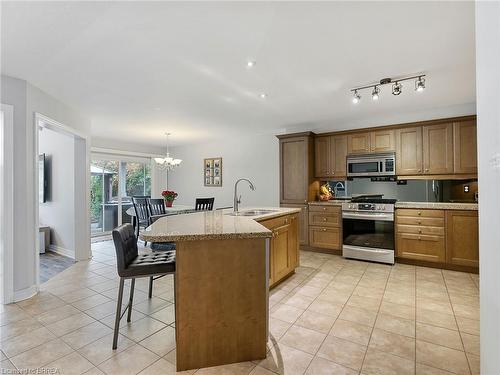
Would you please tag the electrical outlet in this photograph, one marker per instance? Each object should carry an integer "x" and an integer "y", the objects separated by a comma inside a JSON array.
[{"x": 466, "y": 188}]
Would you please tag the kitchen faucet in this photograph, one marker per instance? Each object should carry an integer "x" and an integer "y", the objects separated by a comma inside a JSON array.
[{"x": 237, "y": 200}]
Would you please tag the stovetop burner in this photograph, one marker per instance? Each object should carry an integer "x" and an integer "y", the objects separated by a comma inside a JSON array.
[{"x": 372, "y": 199}]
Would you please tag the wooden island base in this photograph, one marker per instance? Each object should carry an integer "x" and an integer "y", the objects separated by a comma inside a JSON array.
[{"x": 221, "y": 301}]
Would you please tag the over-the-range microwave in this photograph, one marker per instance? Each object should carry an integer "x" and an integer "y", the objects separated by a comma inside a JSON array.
[{"x": 371, "y": 165}]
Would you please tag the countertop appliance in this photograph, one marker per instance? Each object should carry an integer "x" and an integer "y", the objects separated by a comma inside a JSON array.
[
  {"x": 368, "y": 229},
  {"x": 371, "y": 165}
]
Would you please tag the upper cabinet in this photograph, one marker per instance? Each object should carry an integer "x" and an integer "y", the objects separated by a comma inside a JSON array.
[
  {"x": 382, "y": 141},
  {"x": 465, "y": 147},
  {"x": 297, "y": 168},
  {"x": 358, "y": 143},
  {"x": 438, "y": 149},
  {"x": 409, "y": 151},
  {"x": 330, "y": 156}
]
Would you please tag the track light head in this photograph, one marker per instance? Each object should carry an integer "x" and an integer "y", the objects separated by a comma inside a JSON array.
[
  {"x": 420, "y": 84},
  {"x": 356, "y": 97},
  {"x": 375, "y": 93},
  {"x": 397, "y": 88}
]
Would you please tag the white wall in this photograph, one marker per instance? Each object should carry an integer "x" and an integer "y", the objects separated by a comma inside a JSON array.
[
  {"x": 27, "y": 100},
  {"x": 254, "y": 157},
  {"x": 488, "y": 125},
  {"x": 58, "y": 211}
]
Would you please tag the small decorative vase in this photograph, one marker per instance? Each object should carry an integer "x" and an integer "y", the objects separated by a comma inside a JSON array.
[{"x": 168, "y": 203}]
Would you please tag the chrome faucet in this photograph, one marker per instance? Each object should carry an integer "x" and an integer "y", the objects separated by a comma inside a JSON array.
[{"x": 237, "y": 200}]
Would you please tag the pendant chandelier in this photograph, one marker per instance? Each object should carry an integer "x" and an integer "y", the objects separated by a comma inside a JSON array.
[{"x": 167, "y": 163}]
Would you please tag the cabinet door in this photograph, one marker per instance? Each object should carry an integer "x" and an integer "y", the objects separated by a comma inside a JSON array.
[
  {"x": 438, "y": 149},
  {"x": 338, "y": 155},
  {"x": 303, "y": 224},
  {"x": 409, "y": 151},
  {"x": 294, "y": 169},
  {"x": 358, "y": 143},
  {"x": 421, "y": 247},
  {"x": 324, "y": 237},
  {"x": 462, "y": 238},
  {"x": 322, "y": 156},
  {"x": 293, "y": 242},
  {"x": 281, "y": 258},
  {"x": 382, "y": 141},
  {"x": 465, "y": 147}
]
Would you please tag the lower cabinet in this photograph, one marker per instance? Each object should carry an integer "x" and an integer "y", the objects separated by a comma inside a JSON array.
[
  {"x": 284, "y": 249},
  {"x": 448, "y": 237},
  {"x": 303, "y": 222},
  {"x": 325, "y": 237},
  {"x": 462, "y": 238},
  {"x": 325, "y": 226}
]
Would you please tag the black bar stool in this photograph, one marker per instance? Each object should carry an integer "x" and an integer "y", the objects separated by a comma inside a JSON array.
[
  {"x": 142, "y": 216},
  {"x": 131, "y": 265}
]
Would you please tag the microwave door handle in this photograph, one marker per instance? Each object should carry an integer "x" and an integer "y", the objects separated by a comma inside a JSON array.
[{"x": 380, "y": 169}]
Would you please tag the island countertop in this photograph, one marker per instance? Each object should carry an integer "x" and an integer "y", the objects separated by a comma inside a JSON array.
[{"x": 212, "y": 225}]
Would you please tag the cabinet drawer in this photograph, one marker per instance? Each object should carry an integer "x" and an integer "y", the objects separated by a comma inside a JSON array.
[
  {"x": 419, "y": 213},
  {"x": 325, "y": 237},
  {"x": 277, "y": 221},
  {"x": 325, "y": 208},
  {"x": 421, "y": 247},
  {"x": 420, "y": 221},
  {"x": 420, "y": 229},
  {"x": 325, "y": 219}
]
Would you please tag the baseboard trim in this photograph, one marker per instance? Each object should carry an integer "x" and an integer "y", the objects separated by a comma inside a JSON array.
[
  {"x": 25, "y": 293},
  {"x": 62, "y": 251}
]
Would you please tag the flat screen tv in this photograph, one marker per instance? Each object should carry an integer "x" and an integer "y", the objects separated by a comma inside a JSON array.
[{"x": 42, "y": 179}]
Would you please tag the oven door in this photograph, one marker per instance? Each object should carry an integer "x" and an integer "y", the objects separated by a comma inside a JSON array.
[{"x": 373, "y": 230}]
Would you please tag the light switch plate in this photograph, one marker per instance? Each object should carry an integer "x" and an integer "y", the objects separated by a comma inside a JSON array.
[{"x": 466, "y": 188}]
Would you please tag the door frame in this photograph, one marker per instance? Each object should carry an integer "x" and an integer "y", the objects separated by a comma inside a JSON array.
[
  {"x": 81, "y": 219},
  {"x": 6, "y": 204}
]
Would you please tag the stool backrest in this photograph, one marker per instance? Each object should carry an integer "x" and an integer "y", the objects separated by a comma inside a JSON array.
[
  {"x": 157, "y": 206},
  {"x": 204, "y": 204},
  {"x": 125, "y": 246},
  {"x": 141, "y": 207}
]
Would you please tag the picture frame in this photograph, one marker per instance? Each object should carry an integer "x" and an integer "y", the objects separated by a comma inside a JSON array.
[{"x": 212, "y": 172}]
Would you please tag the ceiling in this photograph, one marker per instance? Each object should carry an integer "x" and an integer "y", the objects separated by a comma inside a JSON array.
[{"x": 138, "y": 69}]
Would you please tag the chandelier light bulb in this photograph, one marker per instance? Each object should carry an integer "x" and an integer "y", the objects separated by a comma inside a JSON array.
[
  {"x": 375, "y": 93},
  {"x": 356, "y": 98},
  {"x": 397, "y": 88}
]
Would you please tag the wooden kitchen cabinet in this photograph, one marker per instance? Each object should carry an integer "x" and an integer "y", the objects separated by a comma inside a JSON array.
[
  {"x": 437, "y": 141},
  {"x": 330, "y": 156},
  {"x": 409, "y": 151},
  {"x": 284, "y": 247},
  {"x": 358, "y": 143},
  {"x": 325, "y": 226},
  {"x": 297, "y": 184},
  {"x": 325, "y": 237},
  {"x": 322, "y": 157},
  {"x": 303, "y": 225},
  {"x": 382, "y": 141},
  {"x": 462, "y": 238},
  {"x": 465, "y": 147}
]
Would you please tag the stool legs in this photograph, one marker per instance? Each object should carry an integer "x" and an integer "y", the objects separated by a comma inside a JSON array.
[
  {"x": 131, "y": 300},
  {"x": 151, "y": 287},
  {"x": 118, "y": 313}
]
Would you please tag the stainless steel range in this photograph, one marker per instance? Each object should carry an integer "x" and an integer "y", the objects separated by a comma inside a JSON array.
[{"x": 368, "y": 229}]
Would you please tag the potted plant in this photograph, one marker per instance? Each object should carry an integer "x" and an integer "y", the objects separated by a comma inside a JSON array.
[{"x": 169, "y": 197}]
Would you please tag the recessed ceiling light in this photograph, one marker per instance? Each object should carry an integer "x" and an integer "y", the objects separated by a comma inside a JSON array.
[
  {"x": 251, "y": 63},
  {"x": 263, "y": 95}
]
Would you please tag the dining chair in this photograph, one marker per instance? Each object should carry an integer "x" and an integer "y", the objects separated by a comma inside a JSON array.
[
  {"x": 142, "y": 216},
  {"x": 132, "y": 265},
  {"x": 156, "y": 206},
  {"x": 204, "y": 204}
]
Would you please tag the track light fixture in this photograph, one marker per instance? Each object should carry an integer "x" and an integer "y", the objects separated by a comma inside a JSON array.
[
  {"x": 356, "y": 98},
  {"x": 397, "y": 86}
]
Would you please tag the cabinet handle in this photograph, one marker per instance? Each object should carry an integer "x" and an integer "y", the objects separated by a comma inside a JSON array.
[
  {"x": 419, "y": 238},
  {"x": 419, "y": 213},
  {"x": 325, "y": 219},
  {"x": 419, "y": 222},
  {"x": 420, "y": 231},
  {"x": 324, "y": 229},
  {"x": 427, "y": 169},
  {"x": 419, "y": 171},
  {"x": 324, "y": 208},
  {"x": 286, "y": 221}
]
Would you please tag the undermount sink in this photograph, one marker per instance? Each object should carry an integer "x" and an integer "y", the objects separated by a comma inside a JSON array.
[{"x": 252, "y": 212}]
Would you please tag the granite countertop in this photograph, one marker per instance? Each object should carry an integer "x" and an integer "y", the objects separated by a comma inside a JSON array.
[
  {"x": 438, "y": 205},
  {"x": 422, "y": 205},
  {"x": 212, "y": 225}
]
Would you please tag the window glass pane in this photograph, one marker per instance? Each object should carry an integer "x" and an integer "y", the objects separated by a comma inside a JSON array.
[
  {"x": 147, "y": 179},
  {"x": 134, "y": 184}
]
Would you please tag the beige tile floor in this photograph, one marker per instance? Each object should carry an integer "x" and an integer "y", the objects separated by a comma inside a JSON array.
[{"x": 334, "y": 316}]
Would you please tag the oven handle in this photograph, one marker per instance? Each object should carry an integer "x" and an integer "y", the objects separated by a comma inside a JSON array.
[{"x": 368, "y": 216}]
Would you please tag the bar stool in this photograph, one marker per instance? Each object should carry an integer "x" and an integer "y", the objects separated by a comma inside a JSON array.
[{"x": 131, "y": 265}]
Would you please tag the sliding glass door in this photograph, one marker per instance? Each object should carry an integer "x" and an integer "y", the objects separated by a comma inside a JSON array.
[{"x": 113, "y": 184}]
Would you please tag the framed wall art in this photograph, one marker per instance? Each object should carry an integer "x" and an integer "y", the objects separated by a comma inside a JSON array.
[{"x": 212, "y": 171}]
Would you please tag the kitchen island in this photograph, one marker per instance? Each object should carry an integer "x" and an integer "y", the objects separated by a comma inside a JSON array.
[{"x": 221, "y": 284}]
